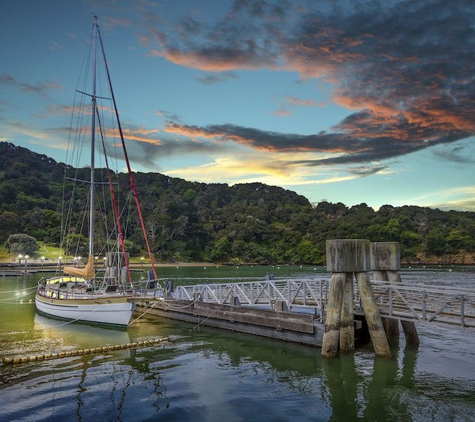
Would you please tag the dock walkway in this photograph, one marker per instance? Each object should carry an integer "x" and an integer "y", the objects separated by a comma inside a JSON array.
[{"x": 421, "y": 304}]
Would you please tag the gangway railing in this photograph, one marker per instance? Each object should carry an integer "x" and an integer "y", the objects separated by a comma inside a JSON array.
[
  {"x": 295, "y": 293},
  {"x": 422, "y": 303}
]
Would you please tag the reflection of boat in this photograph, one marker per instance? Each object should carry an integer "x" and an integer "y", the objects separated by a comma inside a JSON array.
[
  {"x": 81, "y": 294},
  {"x": 59, "y": 335}
]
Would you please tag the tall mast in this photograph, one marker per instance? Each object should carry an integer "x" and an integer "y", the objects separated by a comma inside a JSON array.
[{"x": 93, "y": 141}]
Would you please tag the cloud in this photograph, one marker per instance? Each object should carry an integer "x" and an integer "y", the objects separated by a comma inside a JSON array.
[
  {"x": 213, "y": 78},
  {"x": 282, "y": 112},
  {"x": 167, "y": 115},
  {"x": 271, "y": 170},
  {"x": 57, "y": 110},
  {"x": 110, "y": 22},
  {"x": 456, "y": 155},
  {"x": 291, "y": 102},
  {"x": 41, "y": 88},
  {"x": 404, "y": 69},
  {"x": 338, "y": 148},
  {"x": 148, "y": 154},
  {"x": 55, "y": 46},
  {"x": 457, "y": 198}
]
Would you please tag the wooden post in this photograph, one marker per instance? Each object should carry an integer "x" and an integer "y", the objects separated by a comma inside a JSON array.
[
  {"x": 344, "y": 257},
  {"x": 386, "y": 263},
  {"x": 331, "y": 336},
  {"x": 391, "y": 326},
  {"x": 347, "y": 327},
  {"x": 375, "y": 325},
  {"x": 408, "y": 327}
]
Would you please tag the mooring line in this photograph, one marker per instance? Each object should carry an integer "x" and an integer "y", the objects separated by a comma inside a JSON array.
[
  {"x": 140, "y": 316},
  {"x": 14, "y": 299},
  {"x": 197, "y": 325}
]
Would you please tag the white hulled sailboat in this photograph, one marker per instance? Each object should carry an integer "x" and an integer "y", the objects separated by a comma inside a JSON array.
[{"x": 88, "y": 295}]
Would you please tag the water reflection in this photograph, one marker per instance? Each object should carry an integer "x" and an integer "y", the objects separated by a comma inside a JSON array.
[
  {"x": 66, "y": 335},
  {"x": 206, "y": 374}
]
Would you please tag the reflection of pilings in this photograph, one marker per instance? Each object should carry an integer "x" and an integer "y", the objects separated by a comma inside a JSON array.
[
  {"x": 342, "y": 382},
  {"x": 380, "y": 397},
  {"x": 386, "y": 263},
  {"x": 345, "y": 258},
  {"x": 352, "y": 399},
  {"x": 389, "y": 382}
]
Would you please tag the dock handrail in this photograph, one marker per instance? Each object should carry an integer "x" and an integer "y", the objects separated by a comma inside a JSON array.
[{"x": 418, "y": 303}]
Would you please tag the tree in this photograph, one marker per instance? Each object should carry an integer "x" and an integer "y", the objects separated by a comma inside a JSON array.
[
  {"x": 21, "y": 244},
  {"x": 434, "y": 243}
]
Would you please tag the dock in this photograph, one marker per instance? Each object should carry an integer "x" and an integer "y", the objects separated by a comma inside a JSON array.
[
  {"x": 281, "y": 325},
  {"x": 299, "y": 310}
]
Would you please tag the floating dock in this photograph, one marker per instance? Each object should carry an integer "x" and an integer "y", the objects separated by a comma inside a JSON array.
[{"x": 276, "y": 323}]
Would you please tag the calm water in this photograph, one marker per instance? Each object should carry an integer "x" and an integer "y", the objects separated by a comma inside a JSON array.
[{"x": 205, "y": 374}]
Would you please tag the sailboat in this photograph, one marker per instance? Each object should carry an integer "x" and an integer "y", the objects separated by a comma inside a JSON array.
[{"x": 102, "y": 296}]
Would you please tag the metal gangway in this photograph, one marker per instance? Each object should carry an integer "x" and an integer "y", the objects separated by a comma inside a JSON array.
[{"x": 441, "y": 305}]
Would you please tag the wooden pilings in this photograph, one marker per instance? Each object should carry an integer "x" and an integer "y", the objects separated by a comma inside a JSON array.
[
  {"x": 386, "y": 263},
  {"x": 345, "y": 258},
  {"x": 347, "y": 327},
  {"x": 331, "y": 337}
]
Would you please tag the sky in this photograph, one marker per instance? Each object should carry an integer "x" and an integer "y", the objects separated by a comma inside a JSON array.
[{"x": 343, "y": 101}]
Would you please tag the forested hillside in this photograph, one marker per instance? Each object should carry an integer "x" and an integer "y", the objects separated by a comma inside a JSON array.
[{"x": 188, "y": 221}]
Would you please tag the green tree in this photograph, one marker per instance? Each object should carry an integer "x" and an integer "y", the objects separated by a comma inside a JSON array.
[
  {"x": 21, "y": 244},
  {"x": 434, "y": 242},
  {"x": 308, "y": 253},
  {"x": 76, "y": 244}
]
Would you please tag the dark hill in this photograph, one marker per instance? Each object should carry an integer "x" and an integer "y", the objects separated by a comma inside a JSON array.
[{"x": 252, "y": 222}]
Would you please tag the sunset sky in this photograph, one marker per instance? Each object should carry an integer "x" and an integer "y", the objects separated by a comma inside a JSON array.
[{"x": 346, "y": 101}]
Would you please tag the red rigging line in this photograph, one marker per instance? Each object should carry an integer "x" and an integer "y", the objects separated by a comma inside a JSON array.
[
  {"x": 129, "y": 170},
  {"x": 114, "y": 202}
]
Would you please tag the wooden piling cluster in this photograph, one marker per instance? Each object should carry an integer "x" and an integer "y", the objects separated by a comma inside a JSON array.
[
  {"x": 386, "y": 263},
  {"x": 346, "y": 258},
  {"x": 350, "y": 258}
]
